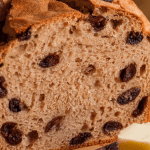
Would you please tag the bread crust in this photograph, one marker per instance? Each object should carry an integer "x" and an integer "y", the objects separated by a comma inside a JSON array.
[
  {"x": 26, "y": 16},
  {"x": 22, "y": 16}
]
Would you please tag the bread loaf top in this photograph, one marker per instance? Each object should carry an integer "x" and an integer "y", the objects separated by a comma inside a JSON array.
[{"x": 24, "y": 13}]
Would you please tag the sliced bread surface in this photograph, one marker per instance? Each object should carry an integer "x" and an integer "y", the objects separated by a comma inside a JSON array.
[{"x": 76, "y": 74}]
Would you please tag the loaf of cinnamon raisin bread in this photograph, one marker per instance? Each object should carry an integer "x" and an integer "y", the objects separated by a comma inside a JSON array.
[{"x": 76, "y": 73}]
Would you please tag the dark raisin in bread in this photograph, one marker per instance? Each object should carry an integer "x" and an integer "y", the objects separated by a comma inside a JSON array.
[{"x": 76, "y": 73}]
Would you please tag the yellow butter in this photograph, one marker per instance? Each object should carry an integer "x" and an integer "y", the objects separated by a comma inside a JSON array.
[
  {"x": 131, "y": 145},
  {"x": 135, "y": 137}
]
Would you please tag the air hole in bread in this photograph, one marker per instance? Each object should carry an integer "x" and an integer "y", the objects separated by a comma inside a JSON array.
[
  {"x": 72, "y": 29},
  {"x": 90, "y": 70},
  {"x": 78, "y": 60},
  {"x": 40, "y": 120},
  {"x": 22, "y": 47},
  {"x": 96, "y": 34},
  {"x": 117, "y": 113},
  {"x": 42, "y": 97},
  {"x": 3, "y": 55},
  {"x": 36, "y": 36},
  {"x": 17, "y": 74},
  {"x": 117, "y": 79},
  {"x": 108, "y": 86},
  {"x": 148, "y": 38},
  {"x": 27, "y": 55},
  {"x": 97, "y": 83},
  {"x": 113, "y": 43},
  {"x": 67, "y": 111},
  {"x": 85, "y": 127},
  {"x": 142, "y": 69},
  {"x": 109, "y": 109},
  {"x": 63, "y": 71},
  {"x": 102, "y": 110},
  {"x": 65, "y": 24},
  {"x": 43, "y": 46},
  {"x": 116, "y": 23},
  {"x": 70, "y": 54},
  {"x": 93, "y": 115},
  {"x": 51, "y": 85},
  {"x": 122, "y": 86},
  {"x": 108, "y": 59},
  {"x": 91, "y": 129}
]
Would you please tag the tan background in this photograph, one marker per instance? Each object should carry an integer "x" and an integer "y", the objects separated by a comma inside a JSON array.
[{"x": 144, "y": 5}]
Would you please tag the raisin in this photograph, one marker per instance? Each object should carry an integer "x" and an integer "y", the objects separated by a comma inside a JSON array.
[
  {"x": 1, "y": 3},
  {"x": 97, "y": 22},
  {"x": 3, "y": 92},
  {"x": 49, "y": 61},
  {"x": 14, "y": 105},
  {"x": 110, "y": 1},
  {"x": 24, "y": 35},
  {"x": 2, "y": 23},
  {"x": 15, "y": 137},
  {"x": 54, "y": 122},
  {"x": 3, "y": 38},
  {"x": 116, "y": 23},
  {"x": 128, "y": 73},
  {"x": 1, "y": 65},
  {"x": 33, "y": 136},
  {"x": 81, "y": 138},
  {"x": 111, "y": 126},
  {"x": 113, "y": 146},
  {"x": 84, "y": 6},
  {"x": 2, "y": 80},
  {"x": 7, "y": 128},
  {"x": 128, "y": 96},
  {"x": 140, "y": 108},
  {"x": 90, "y": 69},
  {"x": 134, "y": 38}
]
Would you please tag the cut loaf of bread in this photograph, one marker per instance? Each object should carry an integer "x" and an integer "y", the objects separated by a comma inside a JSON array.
[{"x": 75, "y": 75}]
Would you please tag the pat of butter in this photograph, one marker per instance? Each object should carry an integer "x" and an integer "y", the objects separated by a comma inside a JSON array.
[{"x": 135, "y": 137}]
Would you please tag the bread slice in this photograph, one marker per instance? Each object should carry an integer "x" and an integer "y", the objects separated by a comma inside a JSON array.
[{"x": 77, "y": 73}]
